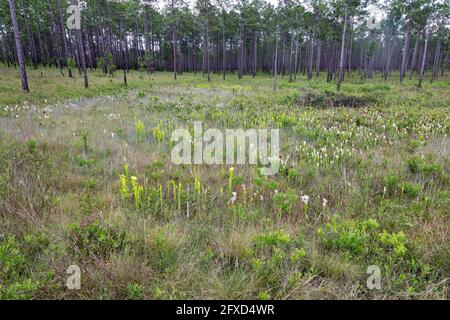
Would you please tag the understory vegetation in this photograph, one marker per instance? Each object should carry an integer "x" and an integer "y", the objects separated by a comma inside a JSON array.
[{"x": 86, "y": 179}]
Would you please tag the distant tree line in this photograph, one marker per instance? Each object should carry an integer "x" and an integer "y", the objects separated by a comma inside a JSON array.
[{"x": 243, "y": 37}]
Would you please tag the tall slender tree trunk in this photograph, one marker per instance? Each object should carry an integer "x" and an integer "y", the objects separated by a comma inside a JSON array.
[
  {"x": 42, "y": 49},
  {"x": 424, "y": 58},
  {"x": 296, "y": 57},
  {"x": 53, "y": 39},
  {"x": 283, "y": 61},
  {"x": 136, "y": 43},
  {"x": 445, "y": 64},
  {"x": 406, "y": 50},
  {"x": 299, "y": 67},
  {"x": 3, "y": 53},
  {"x": 174, "y": 51},
  {"x": 124, "y": 52},
  {"x": 154, "y": 66},
  {"x": 174, "y": 42},
  {"x": 64, "y": 40},
  {"x": 388, "y": 59},
  {"x": 147, "y": 44},
  {"x": 207, "y": 40},
  {"x": 437, "y": 58},
  {"x": 275, "y": 64},
  {"x": 20, "y": 56},
  {"x": 310, "y": 56},
  {"x": 330, "y": 60},
  {"x": 350, "y": 49},
  {"x": 414, "y": 57},
  {"x": 290, "y": 57},
  {"x": 81, "y": 51},
  {"x": 241, "y": 51},
  {"x": 99, "y": 34},
  {"x": 224, "y": 57},
  {"x": 341, "y": 64},
  {"x": 319, "y": 50},
  {"x": 425, "y": 47},
  {"x": 255, "y": 53},
  {"x": 265, "y": 54},
  {"x": 4, "y": 37},
  {"x": 31, "y": 44}
]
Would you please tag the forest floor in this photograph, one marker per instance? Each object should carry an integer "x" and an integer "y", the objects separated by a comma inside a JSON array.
[{"x": 86, "y": 179}]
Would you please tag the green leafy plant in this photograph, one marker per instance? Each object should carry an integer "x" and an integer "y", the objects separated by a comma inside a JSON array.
[
  {"x": 352, "y": 236},
  {"x": 134, "y": 291},
  {"x": 397, "y": 241},
  {"x": 285, "y": 201},
  {"x": 14, "y": 283},
  {"x": 412, "y": 190},
  {"x": 94, "y": 239}
]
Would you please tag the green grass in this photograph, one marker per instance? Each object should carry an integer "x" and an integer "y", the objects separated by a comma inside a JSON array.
[{"x": 86, "y": 178}]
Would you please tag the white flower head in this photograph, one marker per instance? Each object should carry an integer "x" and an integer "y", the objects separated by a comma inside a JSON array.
[
  {"x": 305, "y": 199},
  {"x": 233, "y": 198}
]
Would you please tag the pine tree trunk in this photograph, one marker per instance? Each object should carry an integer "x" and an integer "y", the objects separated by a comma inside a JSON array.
[
  {"x": 174, "y": 41},
  {"x": 388, "y": 60},
  {"x": 124, "y": 52},
  {"x": 64, "y": 40},
  {"x": 56, "y": 50},
  {"x": 174, "y": 51},
  {"x": 414, "y": 57},
  {"x": 424, "y": 58},
  {"x": 31, "y": 44},
  {"x": 437, "y": 58},
  {"x": 20, "y": 56},
  {"x": 136, "y": 43},
  {"x": 444, "y": 67},
  {"x": 42, "y": 49},
  {"x": 319, "y": 47},
  {"x": 224, "y": 61},
  {"x": 283, "y": 60},
  {"x": 405, "y": 51},
  {"x": 330, "y": 59},
  {"x": 290, "y": 58},
  {"x": 241, "y": 51},
  {"x": 275, "y": 64},
  {"x": 207, "y": 40},
  {"x": 154, "y": 66},
  {"x": 299, "y": 67},
  {"x": 310, "y": 56},
  {"x": 81, "y": 52},
  {"x": 296, "y": 57},
  {"x": 341, "y": 64},
  {"x": 350, "y": 49},
  {"x": 7, "y": 51},
  {"x": 255, "y": 53}
]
